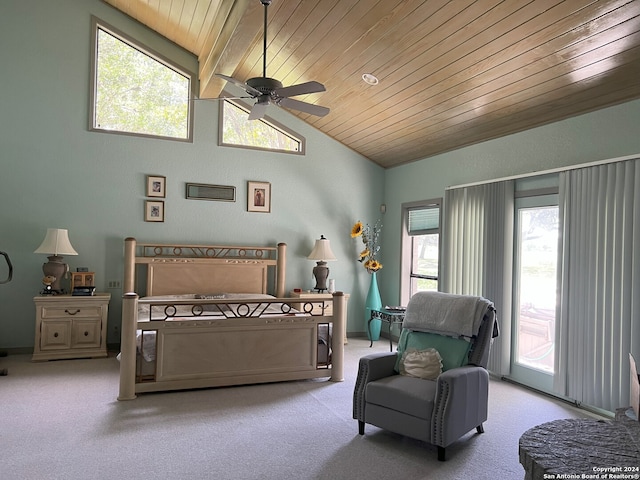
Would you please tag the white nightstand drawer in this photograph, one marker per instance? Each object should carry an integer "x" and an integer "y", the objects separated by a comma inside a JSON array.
[
  {"x": 86, "y": 333},
  {"x": 83, "y": 311},
  {"x": 55, "y": 335}
]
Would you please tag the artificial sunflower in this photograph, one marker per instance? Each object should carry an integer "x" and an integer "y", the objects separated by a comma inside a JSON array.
[
  {"x": 370, "y": 239},
  {"x": 357, "y": 229},
  {"x": 372, "y": 265}
]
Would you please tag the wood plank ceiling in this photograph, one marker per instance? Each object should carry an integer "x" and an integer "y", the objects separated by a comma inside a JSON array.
[{"x": 451, "y": 73}]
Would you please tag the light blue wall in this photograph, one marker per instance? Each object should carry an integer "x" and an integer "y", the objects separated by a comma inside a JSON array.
[
  {"x": 607, "y": 133},
  {"x": 55, "y": 173}
]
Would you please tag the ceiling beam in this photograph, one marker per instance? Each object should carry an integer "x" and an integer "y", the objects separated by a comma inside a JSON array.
[{"x": 230, "y": 36}]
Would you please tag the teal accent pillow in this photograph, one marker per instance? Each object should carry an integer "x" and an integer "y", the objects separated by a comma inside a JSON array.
[{"x": 454, "y": 351}]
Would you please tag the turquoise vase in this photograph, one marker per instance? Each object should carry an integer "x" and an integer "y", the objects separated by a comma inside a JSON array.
[{"x": 374, "y": 302}]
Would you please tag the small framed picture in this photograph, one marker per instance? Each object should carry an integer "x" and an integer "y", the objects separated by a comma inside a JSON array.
[
  {"x": 259, "y": 197},
  {"x": 156, "y": 186},
  {"x": 154, "y": 211}
]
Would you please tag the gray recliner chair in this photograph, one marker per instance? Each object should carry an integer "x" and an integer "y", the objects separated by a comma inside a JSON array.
[{"x": 441, "y": 406}]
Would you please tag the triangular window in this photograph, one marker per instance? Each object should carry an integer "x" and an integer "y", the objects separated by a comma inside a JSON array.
[{"x": 265, "y": 134}]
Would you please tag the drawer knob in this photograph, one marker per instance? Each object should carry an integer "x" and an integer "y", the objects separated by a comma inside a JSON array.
[
  {"x": 71, "y": 313},
  {"x": 55, "y": 335},
  {"x": 86, "y": 334}
]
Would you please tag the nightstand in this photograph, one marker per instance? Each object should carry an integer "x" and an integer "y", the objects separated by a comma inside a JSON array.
[
  {"x": 71, "y": 326},
  {"x": 317, "y": 309}
]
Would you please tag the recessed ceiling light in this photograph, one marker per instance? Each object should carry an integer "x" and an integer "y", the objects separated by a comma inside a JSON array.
[{"x": 370, "y": 79}]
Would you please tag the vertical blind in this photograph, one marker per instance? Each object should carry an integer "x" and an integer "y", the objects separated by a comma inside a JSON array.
[
  {"x": 598, "y": 307},
  {"x": 599, "y": 311},
  {"x": 477, "y": 254}
]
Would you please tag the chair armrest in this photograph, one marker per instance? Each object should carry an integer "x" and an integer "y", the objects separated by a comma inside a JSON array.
[
  {"x": 371, "y": 367},
  {"x": 377, "y": 365},
  {"x": 461, "y": 403}
]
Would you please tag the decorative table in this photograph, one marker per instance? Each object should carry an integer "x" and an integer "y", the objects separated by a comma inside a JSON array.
[
  {"x": 581, "y": 448},
  {"x": 388, "y": 316}
]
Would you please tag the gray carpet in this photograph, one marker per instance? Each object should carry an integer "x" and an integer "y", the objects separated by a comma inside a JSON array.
[{"x": 61, "y": 420}]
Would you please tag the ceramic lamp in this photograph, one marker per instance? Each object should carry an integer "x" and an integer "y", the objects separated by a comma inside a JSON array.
[
  {"x": 322, "y": 254},
  {"x": 55, "y": 244}
]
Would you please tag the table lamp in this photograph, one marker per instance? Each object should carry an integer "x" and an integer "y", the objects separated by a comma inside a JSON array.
[
  {"x": 322, "y": 253},
  {"x": 55, "y": 244}
]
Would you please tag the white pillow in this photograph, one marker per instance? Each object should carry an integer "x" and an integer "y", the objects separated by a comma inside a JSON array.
[{"x": 425, "y": 364}]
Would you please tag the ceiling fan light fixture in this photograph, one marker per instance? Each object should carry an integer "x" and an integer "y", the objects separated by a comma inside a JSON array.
[{"x": 370, "y": 79}]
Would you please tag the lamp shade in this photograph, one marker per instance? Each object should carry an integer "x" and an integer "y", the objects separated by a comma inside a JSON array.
[
  {"x": 322, "y": 250},
  {"x": 56, "y": 242}
]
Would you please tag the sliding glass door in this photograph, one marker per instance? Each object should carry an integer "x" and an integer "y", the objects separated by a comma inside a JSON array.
[{"x": 535, "y": 295}]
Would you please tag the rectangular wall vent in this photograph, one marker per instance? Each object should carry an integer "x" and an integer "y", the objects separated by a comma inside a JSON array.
[{"x": 201, "y": 191}]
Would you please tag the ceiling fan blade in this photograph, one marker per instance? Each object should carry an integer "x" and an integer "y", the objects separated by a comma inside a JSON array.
[
  {"x": 300, "y": 89},
  {"x": 217, "y": 99},
  {"x": 258, "y": 110},
  {"x": 305, "y": 107},
  {"x": 222, "y": 97},
  {"x": 247, "y": 88}
]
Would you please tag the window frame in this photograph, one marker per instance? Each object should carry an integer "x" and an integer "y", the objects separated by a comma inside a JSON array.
[
  {"x": 270, "y": 122},
  {"x": 97, "y": 24},
  {"x": 406, "y": 248}
]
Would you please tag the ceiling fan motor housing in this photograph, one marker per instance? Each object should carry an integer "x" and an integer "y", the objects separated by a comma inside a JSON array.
[{"x": 265, "y": 85}]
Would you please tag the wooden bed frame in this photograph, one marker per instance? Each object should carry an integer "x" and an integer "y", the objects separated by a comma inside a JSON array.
[{"x": 241, "y": 347}]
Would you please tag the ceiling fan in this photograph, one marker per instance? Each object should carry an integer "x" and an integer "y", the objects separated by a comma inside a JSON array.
[{"x": 269, "y": 91}]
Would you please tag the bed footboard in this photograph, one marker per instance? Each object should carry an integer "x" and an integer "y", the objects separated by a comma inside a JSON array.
[{"x": 199, "y": 353}]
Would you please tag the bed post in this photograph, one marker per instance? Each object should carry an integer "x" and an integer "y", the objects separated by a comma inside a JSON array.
[
  {"x": 128, "y": 347},
  {"x": 129, "y": 265},
  {"x": 337, "y": 337},
  {"x": 281, "y": 268}
]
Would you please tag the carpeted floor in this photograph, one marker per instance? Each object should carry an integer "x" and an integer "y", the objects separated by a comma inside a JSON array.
[{"x": 61, "y": 420}]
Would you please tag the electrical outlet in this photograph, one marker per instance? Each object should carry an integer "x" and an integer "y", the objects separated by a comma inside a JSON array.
[{"x": 113, "y": 284}]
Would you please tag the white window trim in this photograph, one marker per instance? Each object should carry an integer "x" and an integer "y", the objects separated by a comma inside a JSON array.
[
  {"x": 96, "y": 24},
  {"x": 267, "y": 120}
]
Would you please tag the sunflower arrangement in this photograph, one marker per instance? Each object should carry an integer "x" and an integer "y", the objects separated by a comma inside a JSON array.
[{"x": 370, "y": 239}]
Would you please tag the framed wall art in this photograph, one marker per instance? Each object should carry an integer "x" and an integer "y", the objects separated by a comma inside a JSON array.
[
  {"x": 156, "y": 186},
  {"x": 259, "y": 197},
  {"x": 154, "y": 211}
]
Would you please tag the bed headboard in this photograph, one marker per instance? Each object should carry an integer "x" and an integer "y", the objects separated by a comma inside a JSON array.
[{"x": 204, "y": 269}]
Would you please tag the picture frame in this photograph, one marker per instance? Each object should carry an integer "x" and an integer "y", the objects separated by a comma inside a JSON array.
[
  {"x": 154, "y": 211},
  {"x": 259, "y": 197},
  {"x": 156, "y": 186}
]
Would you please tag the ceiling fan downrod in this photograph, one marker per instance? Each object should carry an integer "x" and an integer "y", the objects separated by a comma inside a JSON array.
[
  {"x": 264, "y": 84},
  {"x": 266, "y": 4}
]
